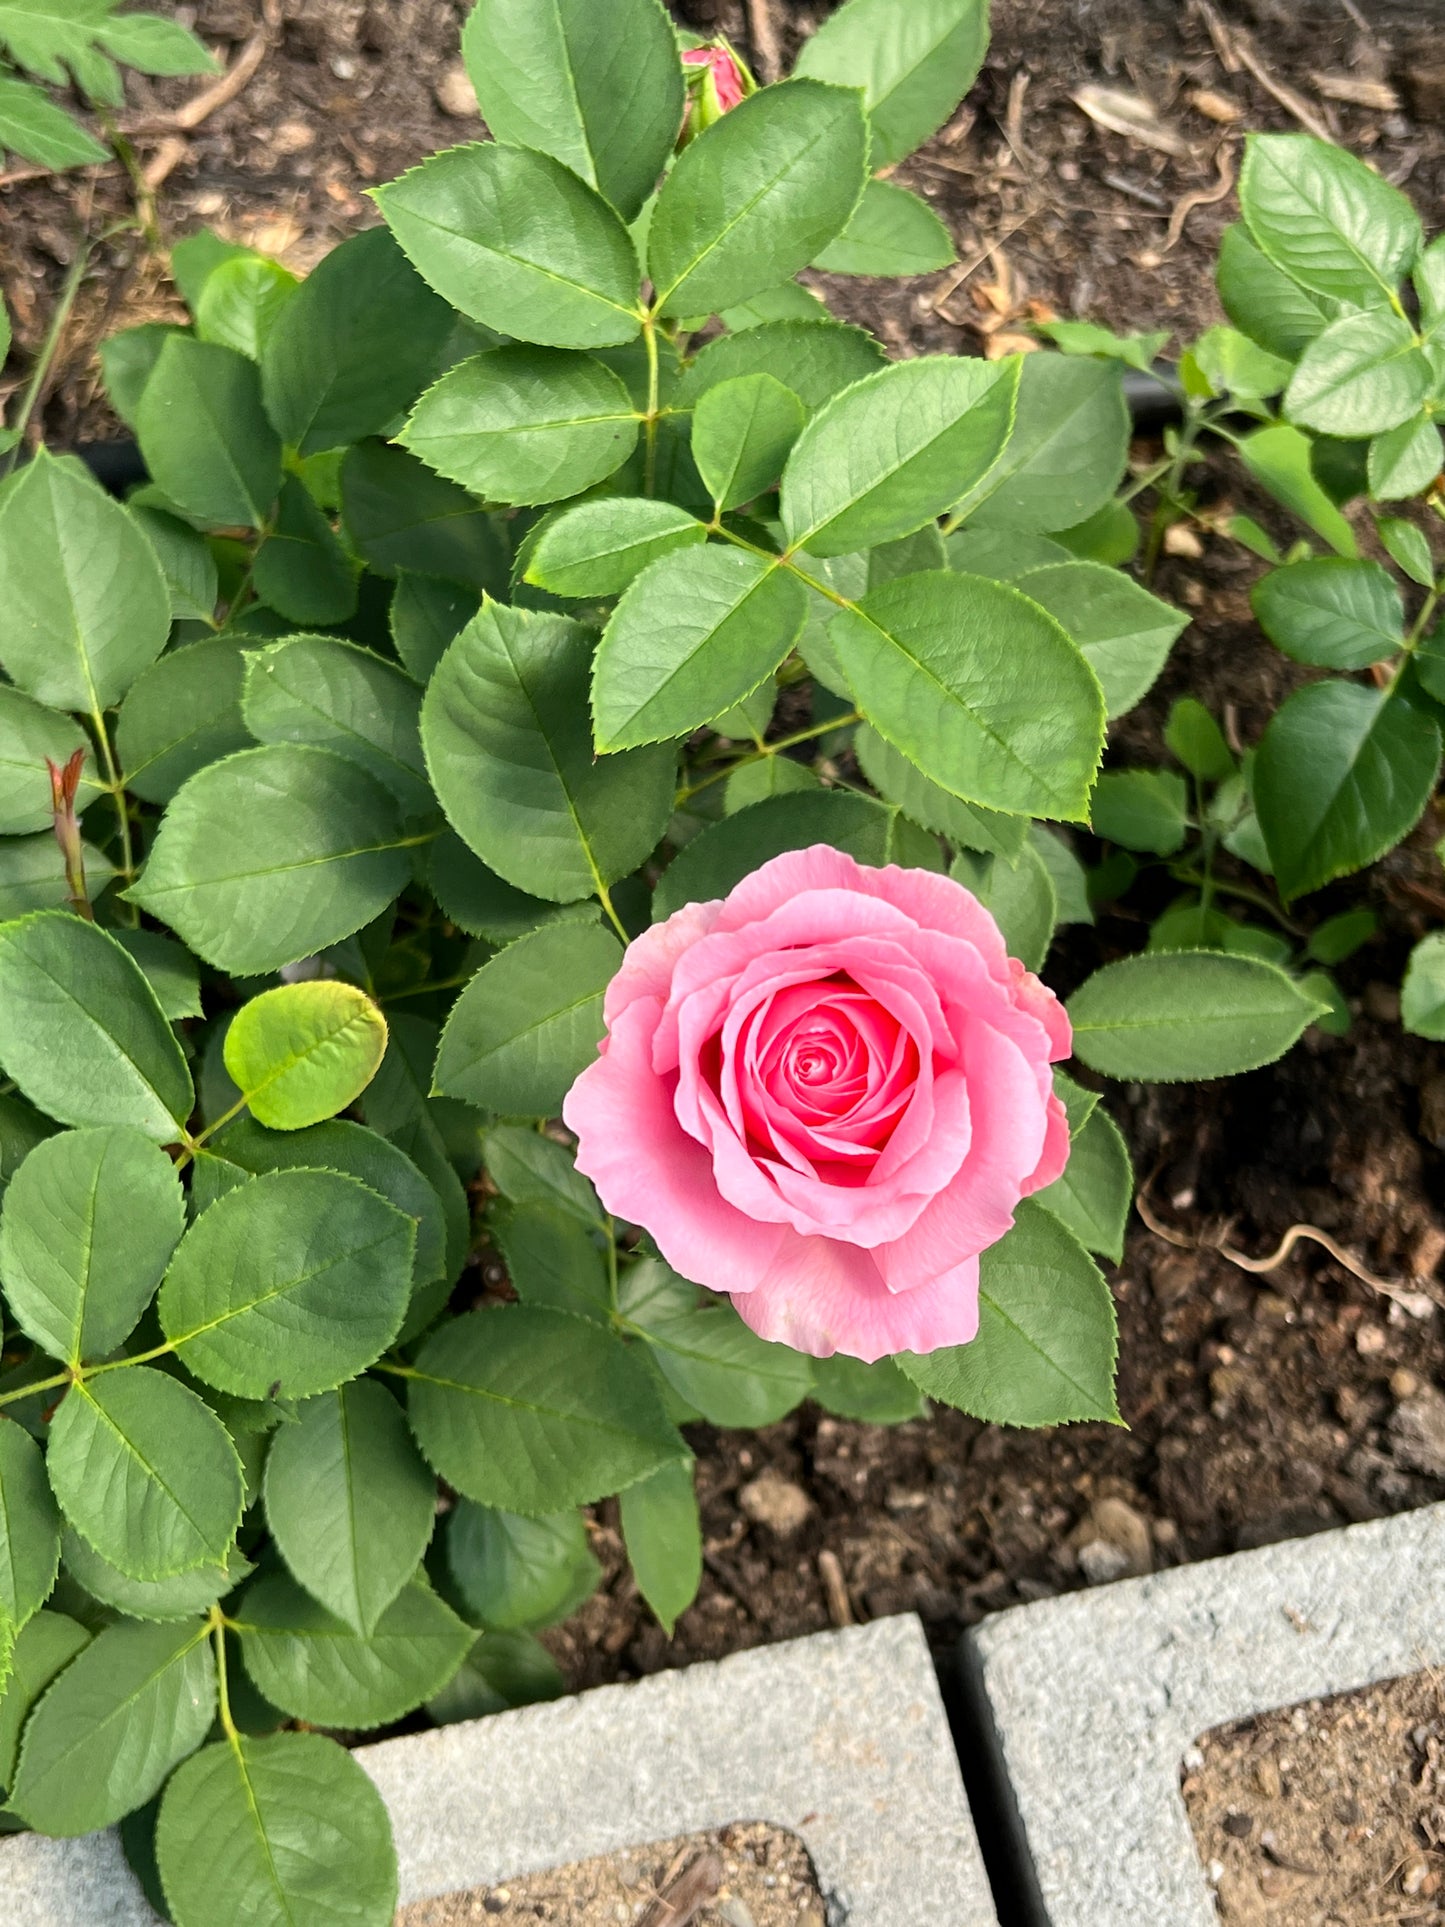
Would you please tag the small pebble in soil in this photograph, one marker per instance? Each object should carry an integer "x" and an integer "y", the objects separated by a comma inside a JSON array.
[
  {"x": 773, "y": 1501},
  {"x": 455, "y": 93}
]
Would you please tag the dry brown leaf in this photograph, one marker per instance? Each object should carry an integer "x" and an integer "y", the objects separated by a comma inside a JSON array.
[
  {"x": 1130, "y": 115},
  {"x": 1004, "y": 342}
]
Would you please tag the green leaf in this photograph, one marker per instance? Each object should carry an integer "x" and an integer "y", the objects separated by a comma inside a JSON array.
[
  {"x": 600, "y": 92},
  {"x": 1093, "y": 1196},
  {"x": 1341, "y": 936},
  {"x": 108, "y": 1732},
  {"x": 816, "y": 359},
  {"x": 1142, "y": 809},
  {"x": 913, "y": 64},
  {"x": 480, "y": 902},
  {"x": 1409, "y": 549},
  {"x": 81, "y": 1032},
  {"x": 715, "y": 861},
  {"x": 529, "y": 1021},
  {"x": 301, "y": 569},
  {"x": 91, "y": 1219},
  {"x": 303, "y": 1052},
  {"x": 1422, "y": 995},
  {"x": 30, "y": 735},
  {"x": 86, "y": 605},
  {"x": 400, "y": 516},
  {"x": 948, "y": 667},
  {"x": 663, "y": 1535},
  {"x": 1234, "y": 365},
  {"x": 21, "y": 1129},
  {"x": 1333, "y": 611},
  {"x": 524, "y": 424},
  {"x": 320, "y": 690},
  {"x": 349, "y": 1501},
  {"x": 1196, "y": 740},
  {"x": 32, "y": 126},
  {"x": 1279, "y": 460},
  {"x": 1342, "y": 773},
  {"x": 513, "y": 1572},
  {"x": 502, "y": 1670},
  {"x": 241, "y": 302},
  {"x": 32, "y": 874},
  {"x": 397, "y": 1105},
  {"x": 597, "y": 548},
  {"x": 1047, "y": 1337},
  {"x": 1178, "y": 1015},
  {"x": 894, "y": 777},
  {"x": 289, "y": 1285},
  {"x": 707, "y": 1354},
  {"x": 1067, "y": 451},
  {"x": 180, "y": 1597},
  {"x": 1328, "y": 220},
  {"x": 186, "y": 563},
  {"x": 272, "y": 855},
  {"x": 890, "y": 232},
  {"x": 533, "y": 1411},
  {"x": 757, "y": 196},
  {"x": 1071, "y": 884},
  {"x": 519, "y": 243},
  {"x": 426, "y": 615},
  {"x": 1020, "y": 896},
  {"x": 354, "y": 346},
  {"x": 742, "y": 431},
  {"x": 530, "y": 1169},
  {"x": 896, "y": 450},
  {"x": 181, "y": 714},
  {"x": 1122, "y": 631},
  {"x": 43, "y": 1649},
  {"x": 766, "y": 777},
  {"x": 878, "y": 1393},
  {"x": 154, "y": 45},
  {"x": 205, "y": 436},
  {"x": 1362, "y": 375},
  {"x": 695, "y": 634},
  {"x": 145, "y": 1472},
  {"x": 1404, "y": 461},
  {"x": 1271, "y": 307},
  {"x": 29, "y": 1527},
  {"x": 299, "y": 1829},
  {"x": 551, "y": 1259},
  {"x": 509, "y": 748}
]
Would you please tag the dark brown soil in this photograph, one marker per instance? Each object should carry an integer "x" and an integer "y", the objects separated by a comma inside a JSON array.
[
  {"x": 1257, "y": 1407},
  {"x": 1329, "y": 1814}
]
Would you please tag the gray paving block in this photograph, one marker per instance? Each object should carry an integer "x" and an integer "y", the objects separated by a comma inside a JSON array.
[
  {"x": 1093, "y": 1699},
  {"x": 841, "y": 1737}
]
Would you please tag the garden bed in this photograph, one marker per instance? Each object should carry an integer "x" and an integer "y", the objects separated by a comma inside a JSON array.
[{"x": 1259, "y": 1407}]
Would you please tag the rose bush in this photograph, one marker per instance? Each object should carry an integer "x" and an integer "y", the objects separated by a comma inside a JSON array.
[{"x": 825, "y": 1095}]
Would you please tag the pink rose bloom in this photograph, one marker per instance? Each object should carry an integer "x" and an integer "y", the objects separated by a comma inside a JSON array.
[
  {"x": 725, "y": 75},
  {"x": 825, "y": 1095}
]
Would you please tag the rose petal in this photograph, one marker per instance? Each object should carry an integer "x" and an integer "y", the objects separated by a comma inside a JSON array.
[{"x": 821, "y": 1297}]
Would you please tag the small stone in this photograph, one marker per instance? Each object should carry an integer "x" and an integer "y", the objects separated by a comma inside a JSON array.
[
  {"x": 1267, "y": 1778},
  {"x": 1179, "y": 539},
  {"x": 1414, "y": 1874},
  {"x": 1370, "y": 1341},
  {"x": 773, "y": 1501},
  {"x": 1116, "y": 1521},
  {"x": 1102, "y": 1562},
  {"x": 1417, "y": 1432},
  {"x": 734, "y": 1912},
  {"x": 1238, "y": 1825},
  {"x": 1403, "y": 1384},
  {"x": 292, "y": 136},
  {"x": 455, "y": 93}
]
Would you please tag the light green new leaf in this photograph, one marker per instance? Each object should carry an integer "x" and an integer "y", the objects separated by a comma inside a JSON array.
[
  {"x": 529, "y": 1021},
  {"x": 349, "y": 1501},
  {"x": 289, "y": 1285},
  {"x": 31, "y": 735},
  {"x": 1333, "y": 611},
  {"x": 353, "y": 347},
  {"x": 515, "y": 1573},
  {"x": 914, "y": 64},
  {"x": 695, "y": 634},
  {"x": 707, "y": 1354},
  {"x": 895, "y": 450},
  {"x": 1066, "y": 453},
  {"x": 320, "y": 690},
  {"x": 1122, "y": 631},
  {"x": 1197, "y": 741},
  {"x": 271, "y": 855},
  {"x": 518, "y": 242},
  {"x": 29, "y": 1527},
  {"x": 534, "y": 1411},
  {"x": 1047, "y": 1336},
  {"x": 948, "y": 667},
  {"x": 597, "y": 548},
  {"x": 145, "y": 1472},
  {"x": 742, "y": 431},
  {"x": 1422, "y": 995},
  {"x": 299, "y": 1829},
  {"x": 205, "y": 437},
  {"x": 1142, "y": 809},
  {"x": 43, "y": 1649},
  {"x": 105, "y": 1736},
  {"x": 1093, "y": 1196},
  {"x": 180, "y": 1597},
  {"x": 1342, "y": 773},
  {"x": 301, "y": 570},
  {"x": 509, "y": 748},
  {"x": 524, "y": 424},
  {"x": 600, "y": 89},
  {"x": 86, "y": 605},
  {"x": 81, "y": 1031},
  {"x": 1278, "y": 458},
  {"x": 181, "y": 714},
  {"x": 1172, "y": 1016},
  {"x": 663, "y": 1535},
  {"x": 1364, "y": 374},
  {"x": 303, "y": 1052},
  {"x": 1234, "y": 365},
  {"x": 757, "y": 196},
  {"x": 91, "y": 1219},
  {"x": 891, "y": 232},
  {"x": 816, "y": 359},
  {"x": 1327, "y": 219},
  {"x": 241, "y": 301},
  {"x": 1408, "y": 548}
]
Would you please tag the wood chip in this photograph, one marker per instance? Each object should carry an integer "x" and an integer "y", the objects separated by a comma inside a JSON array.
[
  {"x": 830, "y": 1571},
  {"x": 1132, "y": 116},
  {"x": 1358, "y": 91},
  {"x": 1216, "y": 107}
]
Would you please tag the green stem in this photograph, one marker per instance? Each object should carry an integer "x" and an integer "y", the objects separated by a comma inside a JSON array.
[
  {"x": 49, "y": 348},
  {"x": 604, "y": 897},
  {"x": 37, "y": 1385},
  {"x": 772, "y": 749},
  {"x": 136, "y": 1358},
  {"x": 216, "y": 1625},
  {"x": 1168, "y": 508},
  {"x": 116, "y": 786},
  {"x": 649, "y": 473}
]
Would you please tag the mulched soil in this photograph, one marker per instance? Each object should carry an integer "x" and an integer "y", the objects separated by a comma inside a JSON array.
[{"x": 1257, "y": 1407}]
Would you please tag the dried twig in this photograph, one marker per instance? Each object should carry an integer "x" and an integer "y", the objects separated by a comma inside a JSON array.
[
  {"x": 763, "y": 33},
  {"x": 683, "y": 1899},
  {"x": 1201, "y": 197},
  {"x": 1358, "y": 90},
  {"x": 1130, "y": 115},
  {"x": 830, "y": 1571},
  {"x": 1236, "y": 50},
  {"x": 975, "y": 261}
]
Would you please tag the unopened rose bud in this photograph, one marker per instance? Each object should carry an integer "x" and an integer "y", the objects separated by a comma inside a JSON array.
[{"x": 717, "y": 81}]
